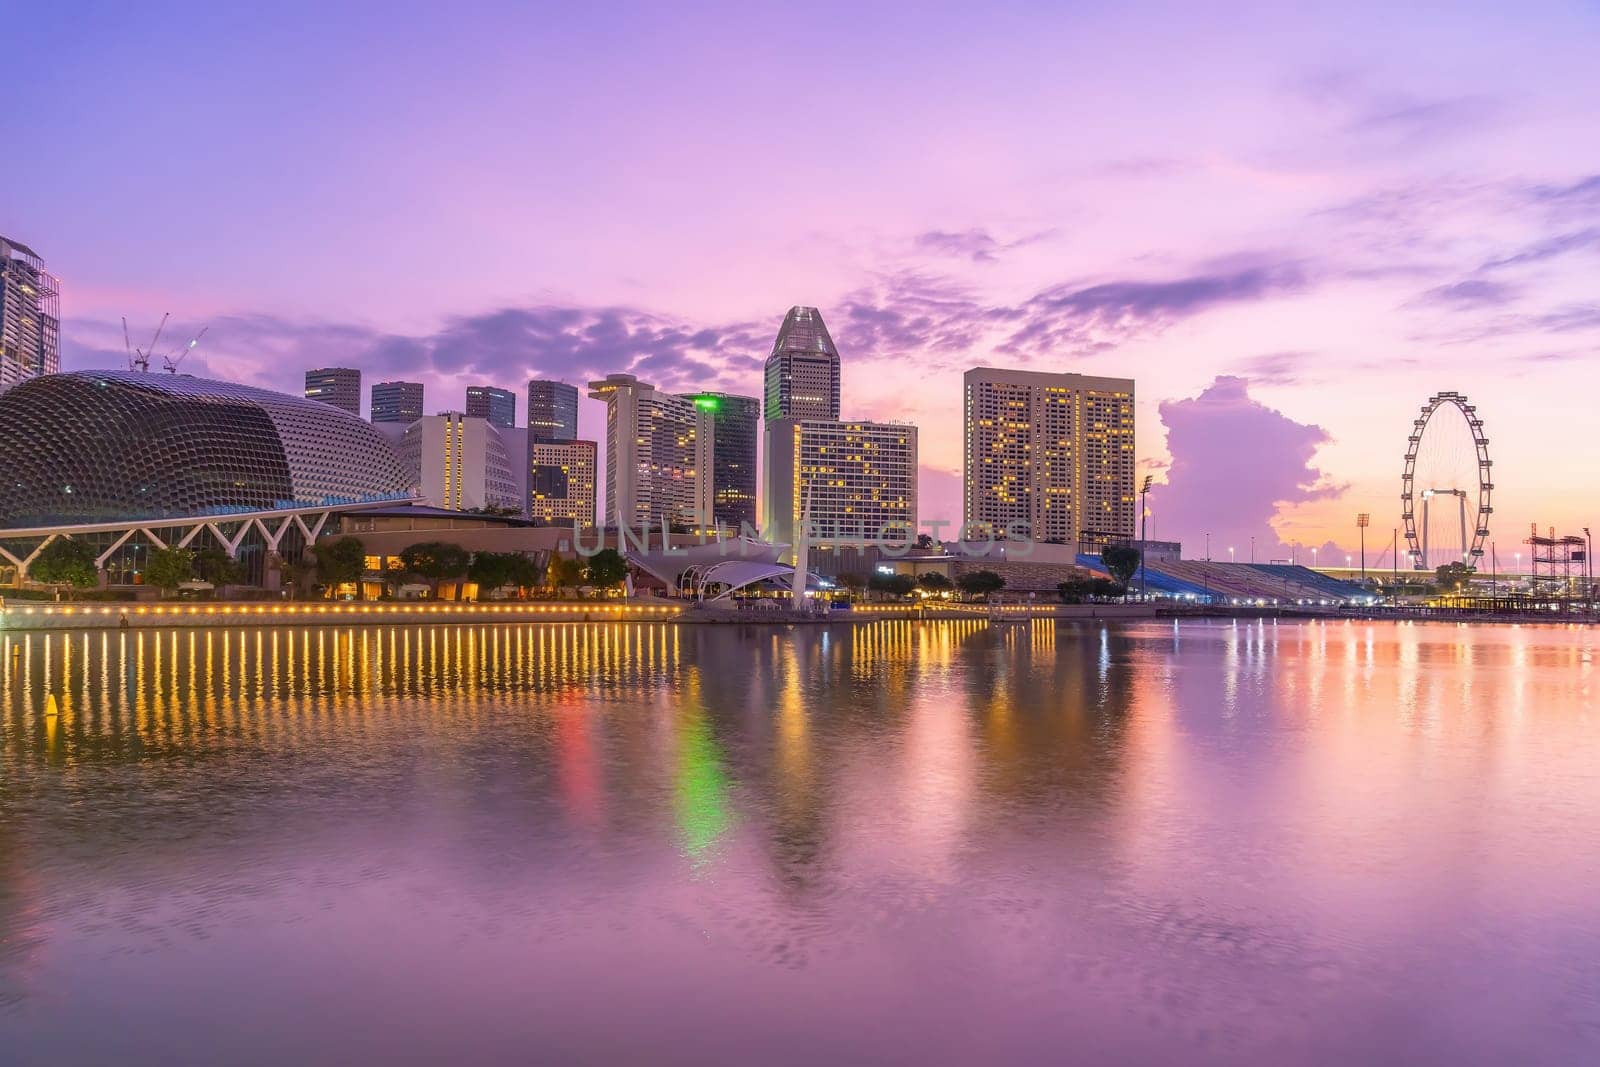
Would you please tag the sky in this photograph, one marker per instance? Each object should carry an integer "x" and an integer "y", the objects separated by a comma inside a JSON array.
[{"x": 1290, "y": 227}]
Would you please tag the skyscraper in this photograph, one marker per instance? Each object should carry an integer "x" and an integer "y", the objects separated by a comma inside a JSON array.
[
  {"x": 497, "y": 405},
  {"x": 561, "y": 481},
  {"x": 552, "y": 410},
  {"x": 30, "y": 315},
  {"x": 1049, "y": 457},
  {"x": 397, "y": 401},
  {"x": 339, "y": 386},
  {"x": 655, "y": 451},
  {"x": 802, "y": 374},
  {"x": 461, "y": 463},
  {"x": 857, "y": 481},
  {"x": 735, "y": 422}
]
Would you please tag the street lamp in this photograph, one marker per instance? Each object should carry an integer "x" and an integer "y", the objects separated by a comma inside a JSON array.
[
  {"x": 1588, "y": 567},
  {"x": 1144, "y": 517},
  {"x": 1361, "y": 524}
]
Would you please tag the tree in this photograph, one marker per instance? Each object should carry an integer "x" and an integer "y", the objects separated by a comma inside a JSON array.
[
  {"x": 214, "y": 565},
  {"x": 853, "y": 582},
  {"x": 66, "y": 562},
  {"x": 435, "y": 561},
  {"x": 1077, "y": 590},
  {"x": 606, "y": 568},
  {"x": 898, "y": 585},
  {"x": 980, "y": 583},
  {"x": 1121, "y": 562},
  {"x": 1450, "y": 575},
  {"x": 341, "y": 561},
  {"x": 302, "y": 571},
  {"x": 934, "y": 582},
  {"x": 566, "y": 572},
  {"x": 524, "y": 571},
  {"x": 493, "y": 570},
  {"x": 168, "y": 568}
]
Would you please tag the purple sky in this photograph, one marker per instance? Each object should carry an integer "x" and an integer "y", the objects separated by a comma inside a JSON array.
[{"x": 1290, "y": 228}]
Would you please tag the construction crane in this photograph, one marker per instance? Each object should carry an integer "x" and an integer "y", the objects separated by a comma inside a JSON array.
[{"x": 139, "y": 358}]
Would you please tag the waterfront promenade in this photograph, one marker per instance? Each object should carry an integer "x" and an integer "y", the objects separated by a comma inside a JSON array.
[{"x": 99, "y": 616}]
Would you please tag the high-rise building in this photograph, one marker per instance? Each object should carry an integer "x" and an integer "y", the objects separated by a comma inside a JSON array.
[
  {"x": 397, "y": 402},
  {"x": 497, "y": 405},
  {"x": 561, "y": 481},
  {"x": 655, "y": 451},
  {"x": 461, "y": 463},
  {"x": 802, "y": 374},
  {"x": 552, "y": 411},
  {"x": 856, "y": 481},
  {"x": 30, "y": 315},
  {"x": 339, "y": 386},
  {"x": 1049, "y": 457},
  {"x": 735, "y": 424}
]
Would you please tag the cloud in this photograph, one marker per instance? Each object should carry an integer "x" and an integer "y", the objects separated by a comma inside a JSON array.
[
  {"x": 1549, "y": 248},
  {"x": 976, "y": 245},
  {"x": 1235, "y": 464},
  {"x": 1090, "y": 318},
  {"x": 1409, "y": 121},
  {"x": 508, "y": 346},
  {"x": 1277, "y": 368},
  {"x": 1472, "y": 293}
]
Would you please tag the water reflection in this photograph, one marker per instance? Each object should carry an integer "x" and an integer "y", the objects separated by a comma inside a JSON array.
[{"x": 1225, "y": 841}]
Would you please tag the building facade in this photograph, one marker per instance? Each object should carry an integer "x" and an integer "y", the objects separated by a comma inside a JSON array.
[
  {"x": 552, "y": 411},
  {"x": 562, "y": 478},
  {"x": 338, "y": 386},
  {"x": 460, "y": 463},
  {"x": 30, "y": 315},
  {"x": 1048, "y": 457},
  {"x": 733, "y": 430},
  {"x": 109, "y": 446},
  {"x": 397, "y": 402},
  {"x": 802, "y": 373},
  {"x": 655, "y": 451},
  {"x": 490, "y": 402},
  {"x": 856, "y": 482}
]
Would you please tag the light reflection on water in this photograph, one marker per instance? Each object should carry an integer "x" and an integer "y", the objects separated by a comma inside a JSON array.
[{"x": 1324, "y": 842}]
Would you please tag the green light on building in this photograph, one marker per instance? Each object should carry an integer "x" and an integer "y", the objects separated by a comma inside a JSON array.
[{"x": 707, "y": 403}]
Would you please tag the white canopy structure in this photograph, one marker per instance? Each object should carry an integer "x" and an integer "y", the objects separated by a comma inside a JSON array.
[{"x": 718, "y": 569}]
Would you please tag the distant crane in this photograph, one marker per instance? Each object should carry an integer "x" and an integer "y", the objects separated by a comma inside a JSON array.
[{"x": 139, "y": 358}]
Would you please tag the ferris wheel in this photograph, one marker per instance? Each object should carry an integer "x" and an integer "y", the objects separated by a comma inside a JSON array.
[{"x": 1448, "y": 473}]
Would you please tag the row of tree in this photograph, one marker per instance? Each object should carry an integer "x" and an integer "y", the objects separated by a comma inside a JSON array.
[{"x": 973, "y": 584}]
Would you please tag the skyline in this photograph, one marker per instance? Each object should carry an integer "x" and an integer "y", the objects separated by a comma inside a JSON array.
[{"x": 1290, "y": 234}]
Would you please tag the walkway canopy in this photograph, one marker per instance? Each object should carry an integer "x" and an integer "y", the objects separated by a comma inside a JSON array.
[{"x": 719, "y": 568}]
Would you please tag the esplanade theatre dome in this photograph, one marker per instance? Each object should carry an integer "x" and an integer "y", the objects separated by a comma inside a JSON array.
[{"x": 107, "y": 446}]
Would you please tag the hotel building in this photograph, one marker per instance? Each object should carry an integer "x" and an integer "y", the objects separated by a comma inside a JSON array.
[
  {"x": 1049, "y": 457},
  {"x": 802, "y": 374},
  {"x": 461, "y": 463},
  {"x": 857, "y": 481},
  {"x": 657, "y": 445}
]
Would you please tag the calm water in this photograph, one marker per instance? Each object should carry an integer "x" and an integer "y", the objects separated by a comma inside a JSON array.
[{"x": 903, "y": 842}]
